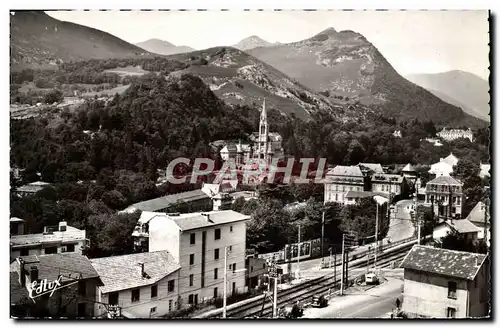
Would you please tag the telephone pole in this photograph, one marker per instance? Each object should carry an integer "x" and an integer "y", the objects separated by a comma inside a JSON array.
[
  {"x": 342, "y": 272},
  {"x": 224, "y": 312},
  {"x": 322, "y": 239},
  {"x": 298, "y": 255},
  {"x": 273, "y": 274},
  {"x": 346, "y": 242},
  {"x": 376, "y": 236}
]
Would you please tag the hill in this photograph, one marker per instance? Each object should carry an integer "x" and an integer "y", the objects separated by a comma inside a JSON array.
[
  {"x": 459, "y": 88},
  {"x": 162, "y": 47},
  {"x": 344, "y": 65},
  {"x": 252, "y": 42},
  {"x": 40, "y": 41},
  {"x": 239, "y": 78}
]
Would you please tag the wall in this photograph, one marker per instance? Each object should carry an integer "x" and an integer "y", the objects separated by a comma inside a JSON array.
[
  {"x": 142, "y": 308},
  {"x": 15, "y": 253},
  {"x": 339, "y": 189},
  {"x": 164, "y": 234},
  {"x": 479, "y": 294},
  {"x": 427, "y": 295}
]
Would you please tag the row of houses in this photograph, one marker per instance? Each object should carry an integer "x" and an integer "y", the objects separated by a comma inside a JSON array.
[{"x": 184, "y": 266}]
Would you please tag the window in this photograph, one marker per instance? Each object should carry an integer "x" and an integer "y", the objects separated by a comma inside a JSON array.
[
  {"x": 153, "y": 310},
  {"x": 263, "y": 266},
  {"x": 136, "y": 295},
  {"x": 195, "y": 299},
  {"x": 251, "y": 269},
  {"x": 51, "y": 250},
  {"x": 192, "y": 238},
  {"x": 336, "y": 197},
  {"x": 113, "y": 298},
  {"x": 451, "y": 312},
  {"x": 190, "y": 299},
  {"x": 217, "y": 234},
  {"x": 82, "y": 287},
  {"x": 215, "y": 292},
  {"x": 216, "y": 254},
  {"x": 191, "y": 259},
  {"x": 231, "y": 229},
  {"x": 458, "y": 200},
  {"x": 154, "y": 291},
  {"x": 230, "y": 248},
  {"x": 234, "y": 267},
  {"x": 70, "y": 248},
  {"x": 25, "y": 252},
  {"x": 191, "y": 279},
  {"x": 216, "y": 271},
  {"x": 230, "y": 266},
  {"x": 170, "y": 305},
  {"x": 452, "y": 289},
  {"x": 171, "y": 286},
  {"x": 234, "y": 287}
]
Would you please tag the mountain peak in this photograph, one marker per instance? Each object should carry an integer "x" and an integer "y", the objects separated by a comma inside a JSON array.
[
  {"x": 251, "y": 42},
  {"x": 163, "y": 47},
  {"x": 329, "y": 31}
]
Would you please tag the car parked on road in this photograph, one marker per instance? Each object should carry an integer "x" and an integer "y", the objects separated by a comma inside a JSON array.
[
  {"x": 371, "y": 279},
  {"x": 319, "y": 301}
]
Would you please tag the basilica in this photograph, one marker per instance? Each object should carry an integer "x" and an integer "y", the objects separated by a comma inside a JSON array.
[{"x": 263, "y": 144}]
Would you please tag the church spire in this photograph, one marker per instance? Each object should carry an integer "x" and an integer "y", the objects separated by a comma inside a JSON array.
[
  {"x": 263, "y": 113},
  {"x": 263, "y": 133}
]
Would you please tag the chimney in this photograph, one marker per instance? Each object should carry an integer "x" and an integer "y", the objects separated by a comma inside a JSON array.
[
  {"x": 475, "y": 258},
  {"x": 63, "y": 225},
  {"x": 143, "y": 274},
  {"x": 34, "y": 273}
]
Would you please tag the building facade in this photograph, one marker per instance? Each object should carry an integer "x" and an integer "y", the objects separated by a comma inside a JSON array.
[
  {"x": 197, "y": 241},
  {"x": 75, "y": 298},
  {"x": 480, "y": 217},
  {"x": 442, "y": 283},
  {"x": 340, "y": 180},
  {"x": 57, "y": 239},
  {"x": 461, "y": 227},
  {"x": 142, "y": 285},
  {"x": 31, "y": 188},
  {"x": 444, "y": 194},
  {"x": 453, "y": 134},
  {"x": 392, "y": 184},
  {"x": 444, "y": 166}
]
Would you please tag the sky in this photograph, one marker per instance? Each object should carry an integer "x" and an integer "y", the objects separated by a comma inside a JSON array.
[{"x": 412, "y": 41}]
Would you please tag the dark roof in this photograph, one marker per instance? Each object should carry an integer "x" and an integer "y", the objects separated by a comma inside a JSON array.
[
  {"x": 66, "y": 264},
  {"x": 18, "y": 294},
  {"x": 443, "y": 262},
  {"x": 124, "y": 272},
  {"x": 341, "y": 170},
  {"x": 387, "y": 178},
  {"x": 160, "y": 203}
]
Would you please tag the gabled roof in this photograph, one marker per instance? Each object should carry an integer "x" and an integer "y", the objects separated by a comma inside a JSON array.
[
  {"x": 387, "y": 178},
  {"x": 477, "y": 214},
  {"x": 450, "y": 159},
  {"x": 461, "y": 226},
  {"x": 124, "y": 272},
  {"x": 375, "y": 167},
  {"x": 446, "y": 180},
  {"x": 409, "y": 168},
  {"x": 71, "y": 234},
  {"x": 160, "y": 203},
  {"x": 443, "y": 262},
  {"x": 66, "y": 264},
  {"x": 351, "y": 171}
]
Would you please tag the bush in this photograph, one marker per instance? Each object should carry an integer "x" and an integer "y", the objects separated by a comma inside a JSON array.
[{"x": 53, "y": 96}]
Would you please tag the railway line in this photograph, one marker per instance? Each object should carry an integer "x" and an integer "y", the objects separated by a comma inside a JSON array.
[{"x": 314, "y": 287}]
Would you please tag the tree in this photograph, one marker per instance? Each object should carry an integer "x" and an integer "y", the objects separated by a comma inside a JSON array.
[
  {"x": 53, "y": 96},
  {"x": 460, "y": 242},
  {"x": 465, "y": 169},
  {"x": 238, "y": 204}
]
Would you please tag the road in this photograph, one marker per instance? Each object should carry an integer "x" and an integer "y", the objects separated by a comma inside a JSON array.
[
  {"x": 376, "y": 302},
  {"x": 400, "y": 226}
]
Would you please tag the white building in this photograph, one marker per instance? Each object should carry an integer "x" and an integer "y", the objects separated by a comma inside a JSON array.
[
  {"x": 57, "y": 239},
  {"x": 484, "y": 170},
  {"x": 340, "y": 180},
  {"x": 480, "y": 217},
  {"x": 461, "y": 227},
  {"x": 444, "y": 166},
  {"x": 453, "y": 134},
  {"x": 197, "y": 242},
  {"x": 144, "y": 285}
]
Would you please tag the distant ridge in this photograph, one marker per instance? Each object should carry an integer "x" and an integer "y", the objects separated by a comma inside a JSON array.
[{"x": 162, "y": 47}]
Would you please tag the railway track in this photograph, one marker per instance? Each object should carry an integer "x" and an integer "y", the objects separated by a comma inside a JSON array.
[
  {"x": 308, "y": 289},
  {"x": 307, "y": 292}
]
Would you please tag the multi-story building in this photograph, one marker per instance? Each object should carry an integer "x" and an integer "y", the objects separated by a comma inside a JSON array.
[
  {"x": 142, "y": 285},
  {"x": 410, "y": 174},
  {"x": 442, "y": 283},
  {"x": 390, "y": 184},
  {"x": 342, "y": 179},
  {"x": 444, "y": 194},
  {"x": 453, "y": 134},
  {"x": 57, "y": 239},
  {"x": 371, "y": 168},
  {"x": 256, "y": 270},
  {"x": 197, "y": 241},
  {"x": 31, "y": 188},
  {"x": 74, "y": 297}
]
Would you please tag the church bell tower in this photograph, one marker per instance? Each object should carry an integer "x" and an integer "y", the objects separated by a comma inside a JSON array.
[{"x": 263, "y": 141}]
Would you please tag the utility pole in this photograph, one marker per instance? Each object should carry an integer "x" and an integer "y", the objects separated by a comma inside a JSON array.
[
  {"x": 298, "y": 255},
  {"x": 224, "y": 312},
  {"x": 376, "y": 237},
  {"x": 322, "y": 239},
  {"x": 273, "y": 274},
  {"x": 335, "y": 265},
  {"x": 330, "y": 258},
  {"x": 342, "y": 274}
]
